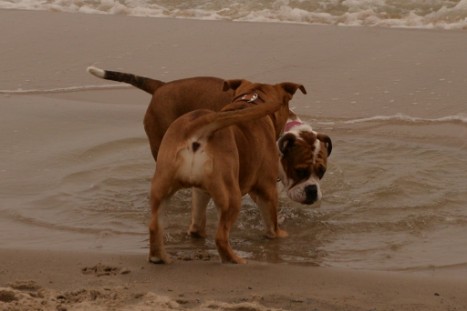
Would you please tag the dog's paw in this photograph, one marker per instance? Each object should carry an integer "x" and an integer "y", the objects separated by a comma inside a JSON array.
[
  {"x": 157, "y": 260},
  {"x": 234, "y": 260},
  {"x": 229, "y": 256},
  {"x": 197, "y": 234},
  {"x": 240, "y": 261},
  {"x": 279, "y": 233}
]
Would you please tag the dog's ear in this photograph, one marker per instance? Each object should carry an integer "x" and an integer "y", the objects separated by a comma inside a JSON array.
[
  {"x": 291, "y": 87},
  {"x": 327, "y": 142},
  {"x": 232, "y": 84},
  {"x": 286, "y": 142}
]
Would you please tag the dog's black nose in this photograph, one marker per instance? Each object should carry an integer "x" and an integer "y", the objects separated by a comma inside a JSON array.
[{"x": 311, "y": 192}]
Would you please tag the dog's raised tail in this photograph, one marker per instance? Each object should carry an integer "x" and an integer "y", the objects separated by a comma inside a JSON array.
[
  {"x": 210, "y": 123},
  {"x": 146, "y": 84}
]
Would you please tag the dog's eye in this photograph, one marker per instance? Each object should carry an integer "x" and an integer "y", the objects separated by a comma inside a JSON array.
[
  {"x": 320, "y": 171},
  {"x": 302, "y": 173}
]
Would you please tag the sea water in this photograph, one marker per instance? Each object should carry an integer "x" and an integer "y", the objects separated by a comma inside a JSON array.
[{"x": 394, "y": 195}]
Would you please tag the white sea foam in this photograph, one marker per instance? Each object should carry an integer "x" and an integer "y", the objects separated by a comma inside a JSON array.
[
  {"x": 442, "y": 14},
  {"x": 462, "y": 118},
  {"x": 64, "y": 89}
]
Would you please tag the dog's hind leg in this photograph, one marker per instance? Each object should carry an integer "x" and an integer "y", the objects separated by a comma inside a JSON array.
[
  {"x": 200, "y": 200},
  {"x": 159, "y": 197},
  {"x": 157, "y": 253},
  {"x": 229, "y": 209}
]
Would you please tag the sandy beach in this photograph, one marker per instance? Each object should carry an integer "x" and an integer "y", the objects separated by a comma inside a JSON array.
[
  {"x": 85, "y": 281},
  {"x": 48, "y": 99}
]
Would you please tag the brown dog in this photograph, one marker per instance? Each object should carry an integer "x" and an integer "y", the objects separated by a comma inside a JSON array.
[
  {"x": 227, "y": 154},
  {"x": 172, "y": 99}
]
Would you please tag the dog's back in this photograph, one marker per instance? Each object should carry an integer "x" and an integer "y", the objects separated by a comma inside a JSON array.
[
  {"x": 171, "y": 100},
  {"x": 201, "y": 141}
]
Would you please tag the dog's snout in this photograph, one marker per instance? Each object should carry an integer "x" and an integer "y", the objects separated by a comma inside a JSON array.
[{"x": 311, "y": 192}]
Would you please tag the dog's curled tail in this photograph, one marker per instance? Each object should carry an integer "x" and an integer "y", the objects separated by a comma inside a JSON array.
[
  {"x": 146, "y": 84},
  {"x": 207, "y": 124}
]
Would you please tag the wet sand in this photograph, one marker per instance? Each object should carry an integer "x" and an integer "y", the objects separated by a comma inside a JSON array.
[{"x": 50, "y": 51}]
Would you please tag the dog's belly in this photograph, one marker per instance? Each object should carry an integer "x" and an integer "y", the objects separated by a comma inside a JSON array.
[{"x": 195, "y": 163}]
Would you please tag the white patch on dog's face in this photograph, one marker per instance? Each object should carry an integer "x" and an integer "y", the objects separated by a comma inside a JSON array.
[
  {"x": 317, "y": 145},
  {"x": 303, "y": 163},
  {"x": 305, "y": 192}
]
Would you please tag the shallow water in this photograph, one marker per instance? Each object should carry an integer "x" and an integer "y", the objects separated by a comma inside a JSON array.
[{"x": 394, "y": 196}]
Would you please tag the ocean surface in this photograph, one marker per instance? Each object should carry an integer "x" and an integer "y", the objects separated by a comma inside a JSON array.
[{"x": 442, "y": 14}]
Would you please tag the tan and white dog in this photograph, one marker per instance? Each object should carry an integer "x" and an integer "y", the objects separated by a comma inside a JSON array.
[
  {"x": 227, "y": 154},
  {"x": 303, "y": 160}
]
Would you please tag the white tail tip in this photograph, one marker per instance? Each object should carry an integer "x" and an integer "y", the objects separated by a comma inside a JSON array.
[{"x": 100, "y": 73}]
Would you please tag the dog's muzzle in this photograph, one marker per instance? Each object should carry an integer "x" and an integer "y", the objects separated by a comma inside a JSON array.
[{"x": 307, "y": 193}]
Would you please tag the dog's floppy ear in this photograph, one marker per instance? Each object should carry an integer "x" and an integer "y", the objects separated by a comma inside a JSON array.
[
  {"x": 286, "y": 142},
  {"x": 232, "y": 84},
  {"x": 291, "y": 87},
  {"x": 327, "y": 142}
]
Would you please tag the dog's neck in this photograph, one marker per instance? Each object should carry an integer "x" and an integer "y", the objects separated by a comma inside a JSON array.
[
  {"x": 295, "y": 125},
  {"x": 291, "y": 124}
]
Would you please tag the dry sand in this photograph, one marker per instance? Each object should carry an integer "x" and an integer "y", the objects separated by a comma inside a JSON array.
[{"x": 43, "y": 50}]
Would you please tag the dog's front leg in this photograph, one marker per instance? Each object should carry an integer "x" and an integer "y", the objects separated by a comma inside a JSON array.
[
  {"x": 268, "y": 204},
  {"x": 157, "y": 253}
]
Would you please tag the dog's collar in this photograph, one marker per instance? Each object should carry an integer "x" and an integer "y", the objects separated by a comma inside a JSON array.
[{"x": 291, "y": 124}]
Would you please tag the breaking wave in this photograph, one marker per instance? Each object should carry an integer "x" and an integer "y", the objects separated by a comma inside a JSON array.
[
  {"x": 64, "y": 89},
  {"x": 433, "y": 14},
  {"x": 459, "y": 118}
]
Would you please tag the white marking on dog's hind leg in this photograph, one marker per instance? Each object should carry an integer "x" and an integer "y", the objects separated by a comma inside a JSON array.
[{"x": 100, "y": 73}]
